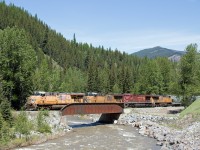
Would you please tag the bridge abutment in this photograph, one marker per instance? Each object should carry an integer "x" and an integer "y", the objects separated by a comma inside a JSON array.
[{"x": 109, "y": 118}]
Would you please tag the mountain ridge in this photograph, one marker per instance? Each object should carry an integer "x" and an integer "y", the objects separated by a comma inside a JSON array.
[{"x": 159, "y": 51}]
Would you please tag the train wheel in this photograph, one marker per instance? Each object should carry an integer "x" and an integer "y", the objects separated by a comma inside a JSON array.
[
  {"x": 132, "y": 105},
  {"x": 48, "y": 108},
  {"x": 126, "y": 105}
]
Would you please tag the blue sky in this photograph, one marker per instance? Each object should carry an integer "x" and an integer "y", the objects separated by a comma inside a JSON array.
[{"x": 128, "y": 25}]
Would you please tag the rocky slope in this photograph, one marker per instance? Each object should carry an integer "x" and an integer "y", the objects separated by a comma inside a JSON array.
[{"x": 166, "y": 128}]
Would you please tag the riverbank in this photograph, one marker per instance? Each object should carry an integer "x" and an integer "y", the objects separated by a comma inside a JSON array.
[
  {"x": 57, "y": 127},
  {"x": 172, "y": 131},
  {"x": 87, "y": 134},
  {"x": 165, "y": 124}
]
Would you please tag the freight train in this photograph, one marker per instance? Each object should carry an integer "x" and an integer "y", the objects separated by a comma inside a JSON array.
[{"x": 58, "y": 100}]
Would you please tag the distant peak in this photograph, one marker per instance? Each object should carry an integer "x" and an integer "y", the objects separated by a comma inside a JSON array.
[
  {"x": 158, "y": 51},
  {"x": 157, "y": 47}
]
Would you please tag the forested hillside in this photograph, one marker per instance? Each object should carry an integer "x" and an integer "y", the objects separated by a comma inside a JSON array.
[{"x": 35, "y": 57}]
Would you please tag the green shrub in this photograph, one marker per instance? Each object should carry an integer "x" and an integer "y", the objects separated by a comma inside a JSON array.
[
  {"x": 5, "y": 133},
  {"x": 42, "y": 125},
  {"x": 5, "y": 110},
  {"x": 44, "y": 112},
  {"x": 22, "y": 125},
  {"x": 1, "y": 121}
]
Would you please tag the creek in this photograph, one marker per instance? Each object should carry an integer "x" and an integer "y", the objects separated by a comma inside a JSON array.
[{"x": 87, "y": 134}]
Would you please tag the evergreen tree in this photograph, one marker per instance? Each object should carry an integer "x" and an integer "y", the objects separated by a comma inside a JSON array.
[
  {"x": 92, "y": 76},
  {"x": 103, "y": 80},
  {"x": 17, "y": 63},
  {"x": 189, "y": 81},
  {"x": 75, "y": 81},
  {"x": 5, "y": 110},
  {"x": 151, "y": 81},
  {"x": 1, "y": 121},
  {"x": 165, "y": 68}
]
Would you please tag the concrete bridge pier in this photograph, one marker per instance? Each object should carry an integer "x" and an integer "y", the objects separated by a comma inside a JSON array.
[{"x": 109, "y": 118}]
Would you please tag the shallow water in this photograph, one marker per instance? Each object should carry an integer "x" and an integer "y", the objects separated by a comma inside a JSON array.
[{"x": 87, "y": 135}]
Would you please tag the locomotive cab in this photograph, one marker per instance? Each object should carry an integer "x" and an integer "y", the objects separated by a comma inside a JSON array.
[{"x": 34, "y": 99}]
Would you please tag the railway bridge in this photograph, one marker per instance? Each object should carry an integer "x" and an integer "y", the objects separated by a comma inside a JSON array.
[{"x": 109, "y": 111}]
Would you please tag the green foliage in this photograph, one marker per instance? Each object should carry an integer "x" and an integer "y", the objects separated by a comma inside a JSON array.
[
  {"x": 74, "y": 81},
  {"x": 151, "y": 80},
  {"x": 92, "y": 75},
  {"x": 116, "y": 89},
  {"x": 5, "y": 133},
  {"x": 17, "y": 59},
  {"x": 103, "y": 81},
  {"x": 42, "y": 125},
  {"x": 5, "y": 110},
  {"x": 5, "y": 119},
  {"x": 44, "y": 112},
  {"x": 46, "y": 79},
  {"x": 22, "y": 125},
  {"x": 1, "y": 121},
  {"x": 166, "y": 71},
  {"x": 189, "y": 80},
  {"x": 125, "y": 79}
]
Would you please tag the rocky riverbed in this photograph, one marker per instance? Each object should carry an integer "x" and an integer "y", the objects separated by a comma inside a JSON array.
[
  {"x": 166, "y": 128},
  {"x": 87, "y": 134},
  {"x": 160, "y": 123}
]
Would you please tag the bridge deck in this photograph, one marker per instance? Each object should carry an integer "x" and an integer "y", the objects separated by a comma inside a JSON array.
[{"x": 92, "y": 108}]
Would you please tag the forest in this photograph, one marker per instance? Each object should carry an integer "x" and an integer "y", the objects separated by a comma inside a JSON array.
[{"x": 34, "y": 57}]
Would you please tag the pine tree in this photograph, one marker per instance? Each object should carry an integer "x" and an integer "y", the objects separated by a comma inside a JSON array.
[
  {"x": 151, "y": 81},
  {"x": 1, "y": 121},
  {"x": 188, "y": 74},
  {"x": 5, "y": 110},
  {"x": 17, "y": 63}
]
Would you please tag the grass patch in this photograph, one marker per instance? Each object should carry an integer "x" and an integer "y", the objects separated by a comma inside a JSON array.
[{"x": 193, "y": 109}]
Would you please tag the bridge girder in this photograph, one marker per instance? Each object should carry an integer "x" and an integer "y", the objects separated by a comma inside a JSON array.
[{"x": 92, "y": 108}]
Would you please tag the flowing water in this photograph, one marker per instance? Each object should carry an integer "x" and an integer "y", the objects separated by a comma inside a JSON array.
[{"x": 87, "y": 135}]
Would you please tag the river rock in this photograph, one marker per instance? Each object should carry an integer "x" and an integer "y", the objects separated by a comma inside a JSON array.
[
  {"x": 142, "y": 131},
  {"x": 160, "y": 137},
  {"x": 115, "y": 121},
  {"x": 170, "y": 138},
  {"x": 164, "y": 148},
  {"x": 159, "y": 143}
]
